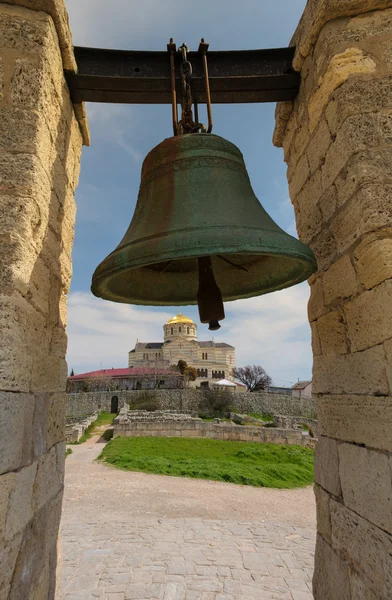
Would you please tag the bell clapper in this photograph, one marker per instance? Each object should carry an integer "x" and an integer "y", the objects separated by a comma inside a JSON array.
[{"x": 209, "y": 296}]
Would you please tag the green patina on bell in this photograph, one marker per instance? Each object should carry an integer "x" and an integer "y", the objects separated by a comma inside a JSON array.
[{"x": 195, "y": 201}]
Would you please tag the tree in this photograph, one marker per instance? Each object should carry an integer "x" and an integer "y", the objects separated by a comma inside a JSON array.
[
  {"x": 254, "y": 377},
  {"x": 190, "y": 374},
  {"x": 72, "y": 374},
  {"x": 182, "y": 365},
  {"x": 216, "y": 403}
]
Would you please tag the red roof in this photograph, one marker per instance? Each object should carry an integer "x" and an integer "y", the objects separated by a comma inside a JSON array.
[{"x": 138, "y": 371}]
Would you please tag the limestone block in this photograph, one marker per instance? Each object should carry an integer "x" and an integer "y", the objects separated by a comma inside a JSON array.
[
  {"x": 58, "y": 342},
  {"x": 7, "y": 485},
  {"x": 366, "y": 475},
  {"x": 40, "y": 424},
  {"x": 24, "y": 175},
  {"x": 358, "y": 589},
  {"x": 316, "y": 306},
  {"x": 351, "y": 62},
  {"x": 23, "y": 343},
  {"x": 369, "y": 210},
  {"x": 369, "y": 319},
  {"x": 309, "y": 217},
  {"x": 299, "y": 176},
  {"x": 16, "y": 430},
  {"x": 320, "y": 141},
  {"x": 25, "y": 131},
  {"x": 56, "y": 419},
  {"x": 316, "y": 344},
  {"x": 38, "y": 546},
  {"x": 358, "y": 133},
  {"x": 357, "y": 373},
  {"x": 1, "y": 78},
  {"x": 333, "y": 333},
  {"x": 339, "y": 33},
  {"x": 373, "y": 261},
  {"x": 8, "y": 557},
  {"x": 331, "y": 575},
  {"x": 49, "y": 479},
  {"x": 340, "y": 280},
  {"x": 362, "y": 544},
  {"x": 364, "y": 168},
  {"x": 326, "y": 465},
  {"x": 357, "y": 96},
  {"x": 49, "y": 374},
  {"x": 324, "y": 247},
  {"x": 323, "y": 516},
  {"x": 328, "y": 203},
  {"x": 358, "y": 419},
  {"x": 20, "y": 509},
  {"x": 388, "y": 354},
  {"x": 318, "y": 12}
]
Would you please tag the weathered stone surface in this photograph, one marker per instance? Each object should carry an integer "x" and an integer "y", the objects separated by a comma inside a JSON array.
[
  {"x": 358, "y": 419},
  {"x": 299, "y": 176},
  {"x": 328, "y": 203},
  {"x": 341, "y": 67},
  {"x": 340, "y": 280},
  {"x": 370, "y": 210},
  {"x": 16, "y": 430},
  {"x": 365, "y": 475},
  {"x": 326, "y": 465},
  {"x": 368, "y": 320},
  {"x": 366, "y": 167},
  {"x": 333, "y": 333},
  {"x": 316, "y": 305},
  {"x": 38, "y": 545},
  {"x": 363, "y": 545},
  {"x": 323, "y": 513},
  {"x": 309, "y": 217},
  {"x": 8, "y": 557},
  {"x": 320, "y": 141},
  {"x": 358, "y": 589},
  {"x": 49, "y": 479},
  {"x": 7, "y": 485},
  {"x": 56, "y": 419},
  {"x": 316, "y": 344},
  {"x": 373, "y": 261},
  {"x": 336, "y": 585},
  {"x": 20, "y": 509},
  {"x": 358, "y": 373}
]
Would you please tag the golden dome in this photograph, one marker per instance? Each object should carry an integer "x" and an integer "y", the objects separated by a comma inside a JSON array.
[{"x": 179, "y": 319}]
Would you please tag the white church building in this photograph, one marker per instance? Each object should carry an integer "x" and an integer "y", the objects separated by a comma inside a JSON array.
[{"x": 213, "y": 361}]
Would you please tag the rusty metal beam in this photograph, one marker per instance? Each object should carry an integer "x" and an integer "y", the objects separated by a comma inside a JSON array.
[{"x": 139, "y": 77}]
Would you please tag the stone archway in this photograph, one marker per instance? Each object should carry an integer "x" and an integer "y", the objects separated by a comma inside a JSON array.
[
  {"x": 114, "y": 404},
  {"x": 337, "y": 142}
]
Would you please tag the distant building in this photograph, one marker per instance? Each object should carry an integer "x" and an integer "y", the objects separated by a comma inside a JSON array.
[
  {"x": 302, "y": 389},
  {"x": 212, "y": 360},
  {"x": 124, "y": 379}
]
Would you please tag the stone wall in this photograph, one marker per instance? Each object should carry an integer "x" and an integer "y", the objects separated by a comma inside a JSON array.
[
  {"x": 337, "y": 140},
  {"x": 215, "y": 431},
  {"x": 40, "y": 146},
  {"x": 84, "y": 404}
]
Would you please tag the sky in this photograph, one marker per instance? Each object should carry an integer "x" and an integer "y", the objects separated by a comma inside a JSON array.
[{"x": 270, "y": 330}]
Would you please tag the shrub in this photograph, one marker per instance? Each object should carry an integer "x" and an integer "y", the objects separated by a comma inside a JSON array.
[
  {"x": 216, "y": 403},
  {"x": 145, "y": 400}
]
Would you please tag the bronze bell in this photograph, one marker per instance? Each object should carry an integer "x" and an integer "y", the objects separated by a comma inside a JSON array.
[{"x": 198, "y": 217}]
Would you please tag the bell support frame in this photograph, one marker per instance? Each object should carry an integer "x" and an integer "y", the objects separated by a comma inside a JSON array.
[{"x": 144, "y": 77}]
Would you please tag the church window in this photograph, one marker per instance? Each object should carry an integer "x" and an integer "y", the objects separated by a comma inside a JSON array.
[
  {"x": 179, "y": 329},
  {"x": 187, "y": 330},
  {"x": 206, "y": 356},
  {"x": 171, "y": 330},
  {"x": 223, "y": 374}
]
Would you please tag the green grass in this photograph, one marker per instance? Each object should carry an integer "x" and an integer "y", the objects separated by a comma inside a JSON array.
[
  {"x": 265, "y": 418},
  {"x": 104, "y": 418},
  {"x": 68, "y": 451},
  {"x": 245, "y": 463}
]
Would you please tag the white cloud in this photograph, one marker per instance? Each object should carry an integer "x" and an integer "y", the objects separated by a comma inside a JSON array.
[{"x": 262, "y": 330}]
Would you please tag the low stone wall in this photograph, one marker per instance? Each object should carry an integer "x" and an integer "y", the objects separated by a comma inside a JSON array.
[
  {"x": 86, "y": 403},
  {"x": 74, "y": 431},
  {"x": 216, "y": 431}
]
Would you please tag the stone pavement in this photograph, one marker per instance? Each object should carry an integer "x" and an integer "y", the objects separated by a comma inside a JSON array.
[{"x": 114, "y": 548}]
